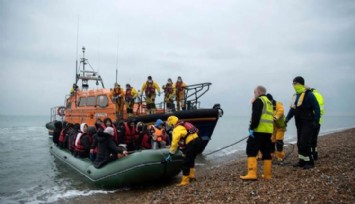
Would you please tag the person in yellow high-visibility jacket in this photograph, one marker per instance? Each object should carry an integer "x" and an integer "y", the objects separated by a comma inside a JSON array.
[
  {"x": 320, "y": 100},
  {"x": 260, "y": 131},
  {"x": 279, "y": 128}
]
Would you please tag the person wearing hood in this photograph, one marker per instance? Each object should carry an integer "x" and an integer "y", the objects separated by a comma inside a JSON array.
[
  {"x": 169, "y": 95},
  {"x": 149, "y": 88},
  {"x": 180, "y": 88},
  {"x": 57, "y": 129},
  {"x": 106, "y": 148},
  {"x": 158, "y": 134},
  {"x": 306, "y": 110},
  {"x": 83, "y": 142}
]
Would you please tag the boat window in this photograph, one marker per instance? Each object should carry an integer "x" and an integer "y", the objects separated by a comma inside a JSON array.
[
  {"x": 91, "y": 101},
  {"x": 82, "y": 101},
  {"x": 102, "y": 101}
]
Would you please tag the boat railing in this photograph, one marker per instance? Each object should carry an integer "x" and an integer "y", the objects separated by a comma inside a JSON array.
[{"x": 193, "y": 93}]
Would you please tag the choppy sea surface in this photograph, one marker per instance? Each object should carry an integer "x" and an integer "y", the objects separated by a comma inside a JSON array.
[{"x": 30, "y": 174}]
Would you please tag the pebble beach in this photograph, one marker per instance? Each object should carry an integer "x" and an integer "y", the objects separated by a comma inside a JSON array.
[{"x": 331, "y": 181}]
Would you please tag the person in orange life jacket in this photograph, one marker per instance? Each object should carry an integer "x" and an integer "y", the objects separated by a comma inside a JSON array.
[
  {"x": 57, "y": 129},
  {"x": 189, "y": 134},
  {"x": 130, "y": 96},
  {"x": 108, "y": 123},
  {"x": 279, "y": 128},
  {"x": 64, "y": 135},
  {"x": 117, "y": 94},
  {"x": 107, "y": 150},
  {"x": 260, "y": 131},
  {"x": 180, "y": 88},
  {"x": 169, "y": 91},
  {"x": 148, "y": 88},
  {"x": 72, "y": 137},
  {"x": 306, "y": 110},
  {"x": 130, "y": 135},
  {"x": 158, "y": 134},
  {"x": 143, "y": 140},
  {"x": 83, "y": 142}
]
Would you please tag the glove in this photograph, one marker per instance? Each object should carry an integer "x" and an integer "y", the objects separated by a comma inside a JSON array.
[
  {"x": 115, "y": 98},
  {"x": 159, "y": 94},
  {"x": 251, "y": 133},
  {"x": 168, "y": 158}
]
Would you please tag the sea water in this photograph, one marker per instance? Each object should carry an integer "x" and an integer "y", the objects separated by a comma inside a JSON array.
[{"x": 30, "y": 174}]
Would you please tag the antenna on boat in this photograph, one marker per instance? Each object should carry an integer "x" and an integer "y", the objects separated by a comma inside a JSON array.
[
  {"x": 117, "y": 58},
  {"x": 76, "y": 65}
]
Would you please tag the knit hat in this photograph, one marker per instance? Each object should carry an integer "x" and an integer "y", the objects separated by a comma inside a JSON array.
[
  {"x": 109, "y": 130},
  {"x": 299, "y": 80},
  {"x": 158, "y": 123}
]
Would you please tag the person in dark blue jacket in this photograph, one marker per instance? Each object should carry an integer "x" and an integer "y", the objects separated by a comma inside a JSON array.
[{"x": 306, "y": 110}]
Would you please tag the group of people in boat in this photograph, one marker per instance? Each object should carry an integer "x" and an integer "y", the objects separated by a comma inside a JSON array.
[
  {"x": 172, "y": 92},
  {"x": 108, "y": 141}
]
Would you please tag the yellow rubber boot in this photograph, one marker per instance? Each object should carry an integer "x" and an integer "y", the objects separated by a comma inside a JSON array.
[
  {"x": 267, "y": 169},
  {"x": 252, "y": 169},
  {"x": 280, "y": 156},
  {"x": 184, "y": 181},
  {"x": 192, "y": 174}
]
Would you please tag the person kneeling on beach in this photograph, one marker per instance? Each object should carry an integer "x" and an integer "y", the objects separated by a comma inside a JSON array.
[
  {"x": 260, "y": 131},
  {"x": 187, "y": 133},
  {"x": 107, "y": 150}
]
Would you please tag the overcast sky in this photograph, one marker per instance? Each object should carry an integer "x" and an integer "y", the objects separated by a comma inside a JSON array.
[{"x": 235, "y": 45}]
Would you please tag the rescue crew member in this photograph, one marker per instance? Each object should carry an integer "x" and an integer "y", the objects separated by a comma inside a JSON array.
[
  {"x": 188, "y": 134},
  {"x": 117, "y": 95},
  {"x": 306, "y": 110},
  {"x": 180, "y": 88},
  {"x": 320, "y": 100},
  {"x": 277, "y": 137},
  {"x": 148, "y": 88},
  {"x": 73, "y": 89},
  {"x": 260, "y": 131},
  {"x": 130, "y": 96},
  {"x": 169, "y": 94}
]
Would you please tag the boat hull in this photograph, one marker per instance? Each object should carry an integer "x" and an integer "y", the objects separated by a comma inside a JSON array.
[{"x": 137, "y": 168}]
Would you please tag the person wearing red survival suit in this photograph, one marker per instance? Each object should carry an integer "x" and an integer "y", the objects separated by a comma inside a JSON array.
[
  {"x": 83, "y": 142},
  {"x": 144, "y": 140},
  {"x": 130, "y": 135}
]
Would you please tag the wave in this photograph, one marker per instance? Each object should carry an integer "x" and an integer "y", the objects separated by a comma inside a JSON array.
[{"x": 41, "y": 194}]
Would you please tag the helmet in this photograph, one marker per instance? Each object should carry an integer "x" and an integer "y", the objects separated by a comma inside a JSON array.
[
  {"x": 128, "y": 85},
  {"x": 170, "y": 81},
  {"x": 172, "y": 120},
  {"x": 179, "y": 79}
]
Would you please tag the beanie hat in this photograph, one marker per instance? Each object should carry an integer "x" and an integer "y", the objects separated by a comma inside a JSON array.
[
  {"x": 158, "y": 123},
  {"x": 299, "y": 80},
  {"x": 109, "y": 130}
]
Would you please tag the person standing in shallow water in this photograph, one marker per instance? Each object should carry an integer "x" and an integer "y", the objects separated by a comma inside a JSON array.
[
  {"x": 260, "y": 131},
  {"x": 306, "y": 110}
]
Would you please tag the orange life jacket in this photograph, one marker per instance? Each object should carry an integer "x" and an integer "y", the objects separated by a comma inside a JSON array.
[{"x": 157, "y": 133}]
